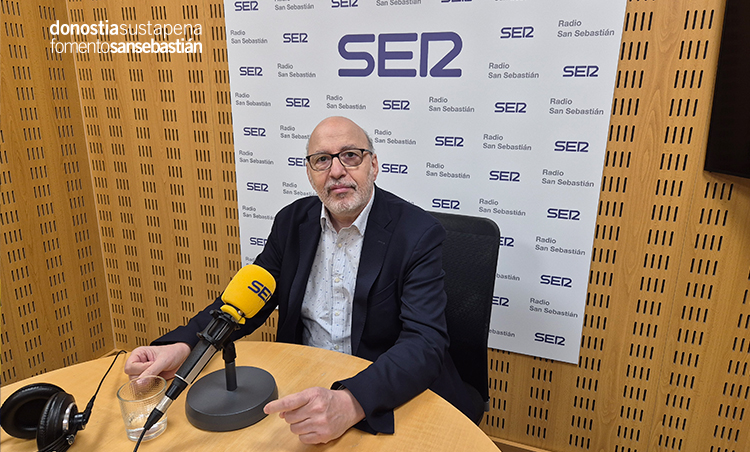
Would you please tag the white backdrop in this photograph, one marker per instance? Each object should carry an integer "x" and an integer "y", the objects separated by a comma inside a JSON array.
[{"x": 488, "y": 108}]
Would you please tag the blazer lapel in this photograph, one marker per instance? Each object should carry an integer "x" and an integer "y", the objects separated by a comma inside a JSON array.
[{"x": 374, "y": 247}]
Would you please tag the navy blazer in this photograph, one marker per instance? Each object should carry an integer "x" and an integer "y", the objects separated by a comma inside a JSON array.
[{"x": 398, "y": 319}]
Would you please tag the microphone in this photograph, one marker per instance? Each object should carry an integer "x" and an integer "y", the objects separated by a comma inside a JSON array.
[{"x": 246, "y": 294}]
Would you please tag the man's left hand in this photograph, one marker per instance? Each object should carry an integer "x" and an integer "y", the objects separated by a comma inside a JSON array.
[{"x": 318, "y": 415}]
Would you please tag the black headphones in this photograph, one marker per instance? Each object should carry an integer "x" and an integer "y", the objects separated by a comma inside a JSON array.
[{"x": 46, "y": 412}]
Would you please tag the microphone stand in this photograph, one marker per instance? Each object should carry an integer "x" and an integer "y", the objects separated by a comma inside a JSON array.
[
  {"x": 229, "y": 354},
  {"x": 231, "y": 398}
]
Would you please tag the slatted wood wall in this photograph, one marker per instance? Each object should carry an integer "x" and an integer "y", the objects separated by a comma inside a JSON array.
[
  {"x": 56, "y": 307},
  {"x": 119, "y": 221},
  {"x": 666, "y": 339}
]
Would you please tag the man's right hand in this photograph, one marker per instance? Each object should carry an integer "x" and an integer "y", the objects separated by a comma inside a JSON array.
[{"x": 163, "y": 360}]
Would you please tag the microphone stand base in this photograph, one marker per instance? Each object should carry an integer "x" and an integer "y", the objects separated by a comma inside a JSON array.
[{"x": 210, "y": 406}]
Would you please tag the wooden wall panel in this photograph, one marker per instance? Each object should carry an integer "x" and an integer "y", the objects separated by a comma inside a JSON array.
[
  {"x": 666, "y": 339},
  {"x": 162, "y": 159},
  {"x": 664, "y": 350},
  {"x": 55, "y": 309}
]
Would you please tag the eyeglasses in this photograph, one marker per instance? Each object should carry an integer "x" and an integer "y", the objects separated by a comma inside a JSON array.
[{"x": 349, "y": 159}]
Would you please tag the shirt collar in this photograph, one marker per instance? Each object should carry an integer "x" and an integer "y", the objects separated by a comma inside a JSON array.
[{"x": 360, "y": 223}]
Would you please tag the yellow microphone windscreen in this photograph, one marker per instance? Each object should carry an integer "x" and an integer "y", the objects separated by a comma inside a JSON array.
[{"x": 248, "y": 292}]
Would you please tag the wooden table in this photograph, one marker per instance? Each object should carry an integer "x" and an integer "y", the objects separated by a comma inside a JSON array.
[{"x": 427, "y": 423}]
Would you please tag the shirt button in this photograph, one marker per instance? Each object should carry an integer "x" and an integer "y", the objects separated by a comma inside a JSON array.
[
  {"x": 337, "y": 280},
  {"x": 337, "y": 313},
  {"x": 338, "y": 245},
  {"x": 335, "y": 347}
]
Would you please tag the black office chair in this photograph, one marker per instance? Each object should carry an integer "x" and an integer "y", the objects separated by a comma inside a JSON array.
[{"x": 470, "y": 253}]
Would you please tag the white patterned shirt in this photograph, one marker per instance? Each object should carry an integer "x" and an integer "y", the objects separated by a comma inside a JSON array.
[{"x": 327, "y": 305}]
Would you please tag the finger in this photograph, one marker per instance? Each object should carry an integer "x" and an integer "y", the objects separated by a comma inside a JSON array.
[
  {"x": 136, "y": 362},
  {"x": 299, "y": 415},
  {"x": 312, "y": 438},
  {"x": 134, "y": 369},
  {"x": 303, "y": 427},
  {"x": 153, "y": 368},
  {"x": 290, "y": 402}
]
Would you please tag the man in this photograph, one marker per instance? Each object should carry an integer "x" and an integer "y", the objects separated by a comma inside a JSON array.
[{"x": 357, "y": 270}]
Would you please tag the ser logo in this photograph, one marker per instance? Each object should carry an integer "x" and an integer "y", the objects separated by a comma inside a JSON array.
[
  {"x": 455, "y": 142},
  {"x": 500, "y": 301},
  {"x": 344, "y": 3},
  {"x": 559, "y": 281},
  {"x": 549, "y": 339},
  {"x": 257, "y": 186},
  {"x": 396, "y": 104},
  {"x": 505, "y": 176},
  {"x": 571, "y": 146},
  {"x": 383, "y": 55},
  {"x": 257, "y": 241},
  {"x": 516, "y": 32},
  {"x": 510, "y": 107},
  {"x": 295, "y": 161},
  {"x": 581, "y": 71},
  {"x": 450, "y": 204},
  {"x": 246, "y": 6},
  {"x": 507, "y": 241},
  {"x": 298, "y": 102},
  {"x": 295, "y": 38},
  {"x": 262, "y": 291},
  {"x": 563, "y": 214},
  {"x": 251, "y": 71},
  {"x": 394, "y": 168},
  {"x": 254, "y": 131}
]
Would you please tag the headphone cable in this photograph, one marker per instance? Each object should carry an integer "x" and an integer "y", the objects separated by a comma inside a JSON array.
[
  {"x": 90, "y": 405},
  {"x": 64, "y": 442}
]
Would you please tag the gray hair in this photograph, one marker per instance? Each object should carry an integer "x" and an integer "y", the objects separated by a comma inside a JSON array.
[{"x": 369, "y": 142}]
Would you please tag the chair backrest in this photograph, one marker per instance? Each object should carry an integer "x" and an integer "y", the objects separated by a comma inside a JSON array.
[{"x": 470, "y": 253}]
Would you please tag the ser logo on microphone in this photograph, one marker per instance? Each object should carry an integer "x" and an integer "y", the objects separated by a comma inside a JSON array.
[{"x": 262, "y": 291}]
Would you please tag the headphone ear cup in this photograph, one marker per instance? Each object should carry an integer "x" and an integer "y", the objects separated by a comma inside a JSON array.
[
  {"x": 22, "y": 410},
  {"x": 50, "y": 426}
]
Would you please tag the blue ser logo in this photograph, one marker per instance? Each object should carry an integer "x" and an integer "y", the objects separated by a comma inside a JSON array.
[
  {"x": 581, "y": 71},
  {"x": 262, "y": 291},
  {"x": 456, "y": 142},
  {"x": 246, "y": 6},
  {"x": 383, "y": 55},
  {"x": 549, "y": 339},
  {"x": 394, "y": 168},
  {"x": 516, "y": 32},
  {"x": 298, "y": 102},
  {"x": 254, "y": 131},
  {"x": 396, "y": 104},
  {"x": 559, "y": 281},
  {"x": 450, "y": 204},
  {"x": 500, "y": 301},
  {"x": 505, "y": 176},
  {"x": 257, "y": 186},
  {"x": 257, "y": 241},
  {"x": 510, "y": 107},
  {"x": 295, "y": 38},
  {"x": 251, "y": 71},
  {"x": 563, "y": 214},
  {"x": 571, "y": 146},
  {"x": 344, "y": 3}
]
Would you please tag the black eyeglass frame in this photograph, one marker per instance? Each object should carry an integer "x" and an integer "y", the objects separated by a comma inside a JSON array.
[{"x": 363, "y": 151}]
